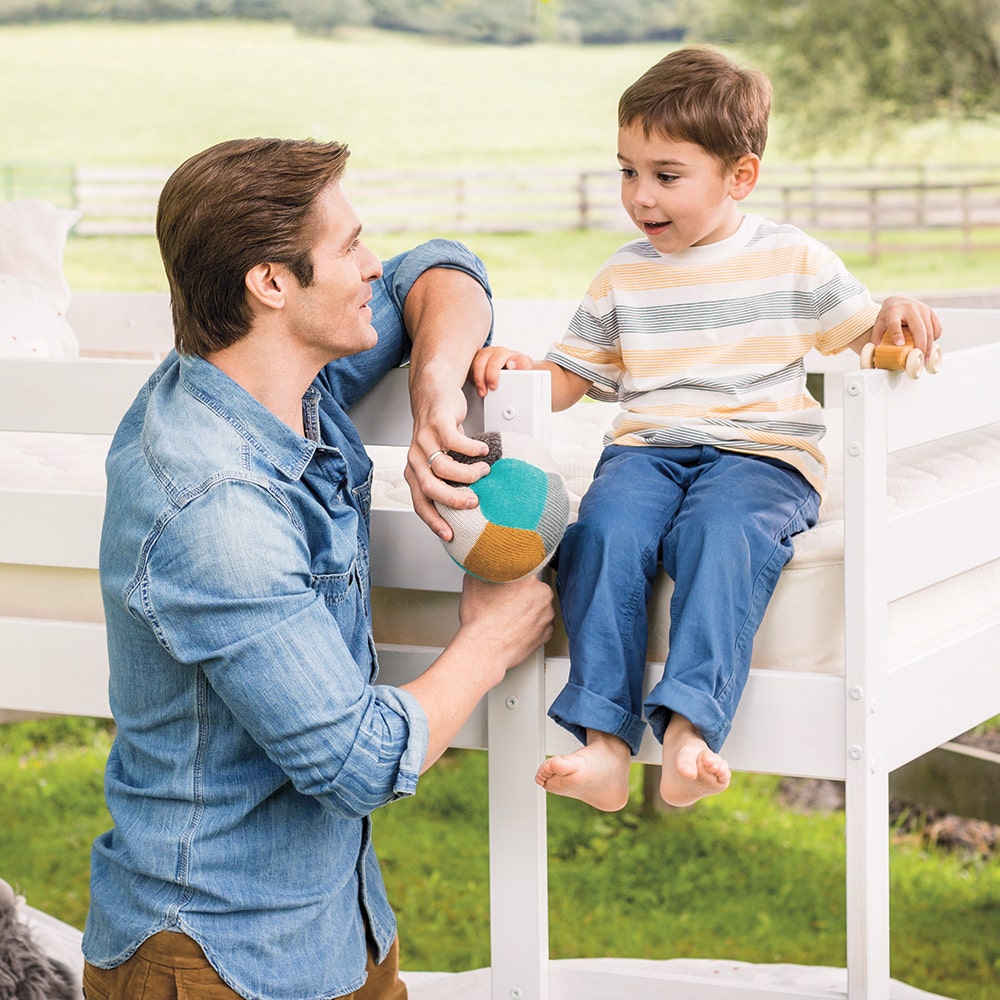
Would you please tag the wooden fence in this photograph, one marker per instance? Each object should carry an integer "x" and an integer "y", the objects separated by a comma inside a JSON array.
[{"x": 872, "y": 211}]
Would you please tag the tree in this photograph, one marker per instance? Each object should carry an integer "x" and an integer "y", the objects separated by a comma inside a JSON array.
[
  {"x": 602, "y": 23},
  {"x": 852, "y": 65},
  {"x": 322, "y": 17}
]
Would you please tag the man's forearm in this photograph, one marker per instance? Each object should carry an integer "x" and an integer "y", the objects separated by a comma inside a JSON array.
[{"x": 448, "y": 316}]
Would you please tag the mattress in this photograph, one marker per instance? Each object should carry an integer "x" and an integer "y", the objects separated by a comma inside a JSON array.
[{"x": 803, "y": 626}]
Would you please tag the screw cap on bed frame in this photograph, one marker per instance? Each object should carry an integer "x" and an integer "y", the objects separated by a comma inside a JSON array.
[{"x": 522, "y": 514}]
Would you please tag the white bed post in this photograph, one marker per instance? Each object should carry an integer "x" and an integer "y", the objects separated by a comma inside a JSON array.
[
  {"x": 866, "y": 687},
  {"x": 519, "y": 917}
]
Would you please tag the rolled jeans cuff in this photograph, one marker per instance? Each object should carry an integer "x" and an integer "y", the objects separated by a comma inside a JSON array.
[
  {"x": 700, "y": 709},
  {"x": 576, "y": 709}
]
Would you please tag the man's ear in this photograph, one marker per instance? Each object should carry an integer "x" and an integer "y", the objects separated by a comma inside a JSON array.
[
  {"x": 743, "y": 178},
  {"x": 267, "y": 284}
]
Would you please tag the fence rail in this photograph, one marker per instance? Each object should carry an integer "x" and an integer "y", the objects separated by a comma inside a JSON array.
[{"x": 868, "y": 210}]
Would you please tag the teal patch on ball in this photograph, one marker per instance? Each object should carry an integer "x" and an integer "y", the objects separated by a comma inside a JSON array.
[
  {"x": 514, "y": 494},
  {"x": 522, "y": 514}
]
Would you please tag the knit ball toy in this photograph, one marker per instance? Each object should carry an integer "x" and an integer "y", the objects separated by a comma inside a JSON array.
[{"x": 522, "y": 514}]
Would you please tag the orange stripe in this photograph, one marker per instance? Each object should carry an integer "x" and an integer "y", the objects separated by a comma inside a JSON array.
[
  {"x": 753, "y": 352},
  {"x": 793, "y": 404},
  {"x": 751, "y": 266}
]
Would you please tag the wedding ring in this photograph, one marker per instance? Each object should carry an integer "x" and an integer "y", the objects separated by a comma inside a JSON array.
[{"x": 431, "y": 458}]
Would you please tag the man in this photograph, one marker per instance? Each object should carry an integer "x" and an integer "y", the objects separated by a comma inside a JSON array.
[{"x": 252, "y": 744}]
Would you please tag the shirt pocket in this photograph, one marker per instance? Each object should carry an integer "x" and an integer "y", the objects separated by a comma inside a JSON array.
[
  {"x": 336, "y": 588},
  {"x": 363, "y": 495},
  {"x": 344, "y": 596}
]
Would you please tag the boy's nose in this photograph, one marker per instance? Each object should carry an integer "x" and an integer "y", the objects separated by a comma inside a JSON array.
[{"x": 644, "y": 194}]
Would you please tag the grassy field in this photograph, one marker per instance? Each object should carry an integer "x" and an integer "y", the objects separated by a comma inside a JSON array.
[
  {"x": 738, "y": 877},
  {"x": 105, "y": 94},
  {"x": 113, "y": 93}
]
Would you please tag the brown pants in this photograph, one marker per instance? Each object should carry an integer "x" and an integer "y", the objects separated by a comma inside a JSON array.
[{"x": 170, "y": 966}]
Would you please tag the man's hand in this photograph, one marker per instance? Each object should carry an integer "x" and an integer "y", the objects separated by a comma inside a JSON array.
[
  {"x": 437, "y": 429},
  {"x": 502, "y": 624},
  {"x": 509, "y": 620},
  {"x": 448, "y": 316}
]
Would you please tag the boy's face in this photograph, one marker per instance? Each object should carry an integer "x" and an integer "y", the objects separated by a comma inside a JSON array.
[{"x": 677, "y": 193}]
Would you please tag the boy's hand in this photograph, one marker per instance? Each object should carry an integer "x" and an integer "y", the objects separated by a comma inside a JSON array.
[
  {"x": 900, "y": 310},
  {"x": 490, "y": 361}
]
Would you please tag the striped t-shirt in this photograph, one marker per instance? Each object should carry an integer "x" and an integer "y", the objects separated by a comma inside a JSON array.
[{"x": 706, "y": 346}]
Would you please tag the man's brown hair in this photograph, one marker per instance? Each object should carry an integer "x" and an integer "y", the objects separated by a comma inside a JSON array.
[
  {"x": 697, "y": 95},
  {"x": 229, "y": 208}
]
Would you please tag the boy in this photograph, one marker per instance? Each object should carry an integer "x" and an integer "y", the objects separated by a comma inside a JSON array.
[{"x": 699, "y": 330}]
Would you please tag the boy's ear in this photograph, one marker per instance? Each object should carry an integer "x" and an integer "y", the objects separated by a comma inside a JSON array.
[
  {"x": 266, "y": 284},
  {"x": 744, "y": 176}
]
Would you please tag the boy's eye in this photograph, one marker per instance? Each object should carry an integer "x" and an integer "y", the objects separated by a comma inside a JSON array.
[{"x": 626, "y": 172}]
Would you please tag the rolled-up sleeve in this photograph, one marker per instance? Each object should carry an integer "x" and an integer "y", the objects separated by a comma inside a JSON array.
[
  {"x": 350, "y": 378},
  {"x": 414, "y": 750},
  {"x": 400, "y": 273}
]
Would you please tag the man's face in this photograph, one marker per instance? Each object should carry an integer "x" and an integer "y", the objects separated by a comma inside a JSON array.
[{"x": 331, "y": 316}]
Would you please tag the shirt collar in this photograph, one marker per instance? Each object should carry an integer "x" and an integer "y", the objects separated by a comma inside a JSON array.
[{"x": 289, "y": 452}]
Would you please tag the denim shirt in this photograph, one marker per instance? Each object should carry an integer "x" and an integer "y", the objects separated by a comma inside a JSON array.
[{"x": 252, "y": 741}]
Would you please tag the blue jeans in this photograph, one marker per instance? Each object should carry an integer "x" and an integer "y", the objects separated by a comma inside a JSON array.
[{"x": 721, "y": 525}]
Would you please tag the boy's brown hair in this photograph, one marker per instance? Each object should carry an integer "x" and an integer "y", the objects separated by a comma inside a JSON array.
[
  {"x": 229, "y": 208},
  {"x": 696, "y": 94}
]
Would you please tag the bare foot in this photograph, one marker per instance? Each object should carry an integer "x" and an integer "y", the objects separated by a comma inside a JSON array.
[
  {"x": 597, "y": 773},
  {"x": 691, "y": 770}
]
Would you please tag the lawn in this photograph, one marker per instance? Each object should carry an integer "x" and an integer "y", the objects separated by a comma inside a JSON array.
[
  {"x": 119, "y": 94},
  {"x": 105, "y": 94},
  {"x": 738, "y": 877}
]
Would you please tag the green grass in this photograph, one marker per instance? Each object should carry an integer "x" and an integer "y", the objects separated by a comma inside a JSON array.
[
  {"x": 51, "y": 777},
  {"x": 737, "y": 877},
  {"x": 105, "y": 93}
]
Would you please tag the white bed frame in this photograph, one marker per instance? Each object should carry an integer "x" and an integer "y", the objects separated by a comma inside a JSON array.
[{"x": 856, "y": 728}]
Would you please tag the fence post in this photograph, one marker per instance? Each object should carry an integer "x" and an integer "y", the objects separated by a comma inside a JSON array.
[
  {"x": 873, "y": 223},
  {"x": 461, "y": 196},
  {"x": 964, "y": 198},
  {"x": 786, "y": 203}
]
